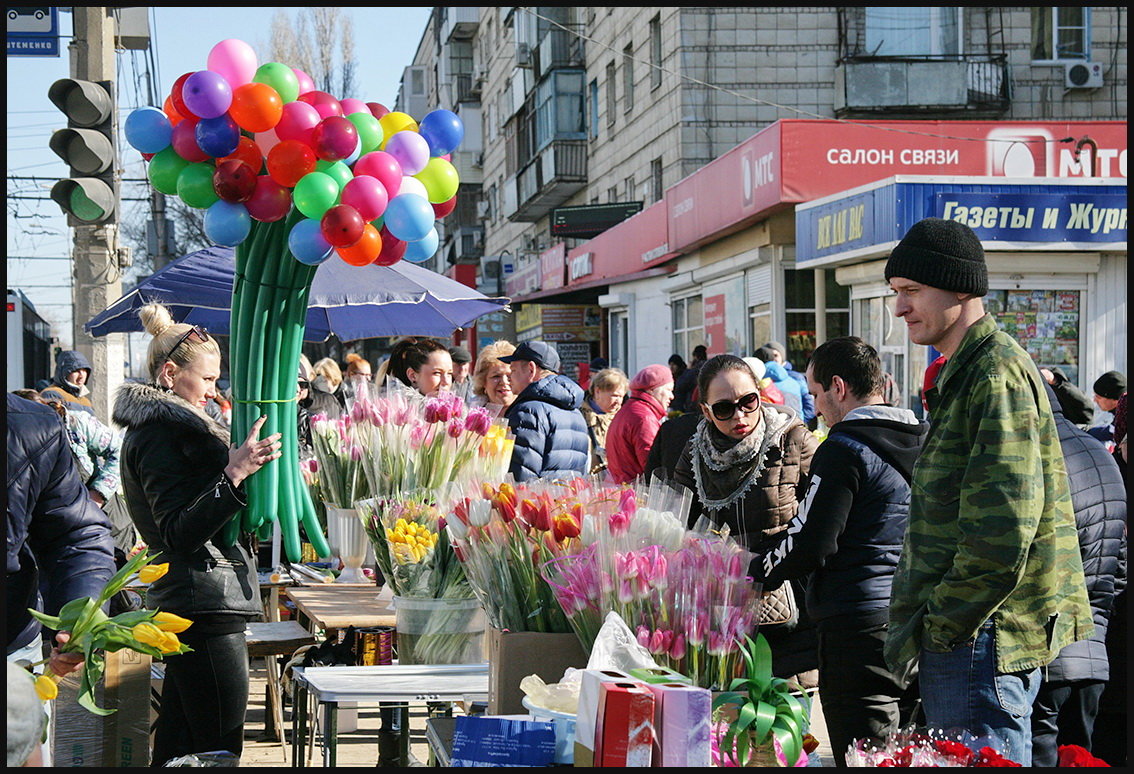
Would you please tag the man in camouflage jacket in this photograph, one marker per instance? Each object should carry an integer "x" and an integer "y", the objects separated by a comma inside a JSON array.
[{"x": 990, "y": 583}]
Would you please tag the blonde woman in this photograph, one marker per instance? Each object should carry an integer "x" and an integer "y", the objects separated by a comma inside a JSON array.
[
  {"x": 183, "y": 483},
  {"x": 491, "y": 385}
]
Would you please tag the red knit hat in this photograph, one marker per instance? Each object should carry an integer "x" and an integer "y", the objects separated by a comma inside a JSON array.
[{"x": 650, "y": 377}]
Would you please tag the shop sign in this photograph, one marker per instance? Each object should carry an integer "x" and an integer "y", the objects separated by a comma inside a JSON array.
[
  {"x": 581, "y": 266},
  {"x": 571, "y": 323},
  {"x": 552, "y": 266},
  {"x": 714, "y": 309},
  {"x": 638, "y": 243},
  {"x": 528, "y": 316},
  {"x": 523, "y": 281},
  {"x": 1037, "y": 217}
]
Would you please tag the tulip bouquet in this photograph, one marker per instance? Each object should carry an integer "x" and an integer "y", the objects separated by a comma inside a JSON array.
[
  {"x": 339, "y": 460},
  {"x": 928, "y": 748},
  {"x": 92, "y": 631}
]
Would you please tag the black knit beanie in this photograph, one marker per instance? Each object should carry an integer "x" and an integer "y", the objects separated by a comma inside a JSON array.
[
  {"x": 1110, "y": 385},
  {"x": 942, "y": 254}
]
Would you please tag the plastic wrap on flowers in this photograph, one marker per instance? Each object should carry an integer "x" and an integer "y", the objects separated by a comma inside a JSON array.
[{"x": 916, "y": 748}]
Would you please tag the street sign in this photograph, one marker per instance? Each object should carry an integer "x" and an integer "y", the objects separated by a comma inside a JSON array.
[{"x": 33, "y": 31}]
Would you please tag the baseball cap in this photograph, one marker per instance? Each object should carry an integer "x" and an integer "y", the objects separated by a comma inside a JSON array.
[{"x": 539, "y": 352}]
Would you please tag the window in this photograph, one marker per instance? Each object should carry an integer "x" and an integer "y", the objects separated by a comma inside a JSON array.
[
  {"x": 1060, "y": 33},
  {"x": 620, "y": 339},
  {"x": 799, "y": 313},
  {"x": 559, "y": 108},
  {"x": 628, "y": 78},
  {"x": 933, "y": 31},
  {"x": 610, "y": 95},
  {"x": 628, "y": 188},
  {"x": 688, "y": 325},
  {"x": 655, "y": 52},
  {"x": 656, "y": 189},
  {"x": 594, "y": 103},
  {"x": 612, "y": 194}
]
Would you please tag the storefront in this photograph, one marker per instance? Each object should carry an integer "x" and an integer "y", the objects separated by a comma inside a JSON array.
[{"x": 1056, "y": 252}]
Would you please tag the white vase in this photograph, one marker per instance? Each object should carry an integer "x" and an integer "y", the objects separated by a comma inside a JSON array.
[{"x": 348, "y": 541}]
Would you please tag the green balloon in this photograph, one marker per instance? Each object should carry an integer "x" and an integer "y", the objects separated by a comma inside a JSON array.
[
  {"x": 164, "y": 169},
  {"x": 195, "y": 185},
  {"x": 440, "y": 179},
  {"x": 281, "y": 78},
  {"x": 369, "y": 131},
  {"x": 315, "y": 193},
  {"x": 338, "y": 170}
]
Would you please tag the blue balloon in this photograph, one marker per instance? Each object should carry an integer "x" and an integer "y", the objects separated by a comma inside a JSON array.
[
  {"x": 409, "y": 217},
  {"x": 307, "y": 243},
  {"x": 218, "y": 136},
  {"x": 349, "y": 160},
  {"x": 443, "y": 130},
  {"x": 148, "y": 130},
  {"x": 423, "y": 249},
  {"x": 227, "y": 223}
]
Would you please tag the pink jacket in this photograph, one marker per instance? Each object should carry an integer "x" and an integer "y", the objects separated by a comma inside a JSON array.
[{"x": 631, "y": 434}]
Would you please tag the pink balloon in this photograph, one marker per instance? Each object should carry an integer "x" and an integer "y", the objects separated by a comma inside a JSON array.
[
  {"x": 184, "y": 141},
  {"x": 410, "y": 149},
  {"x": 383, "y": 166},
  {"x": 297, "y": 122},
  {"x": 305, "y": 82},
  {"x": 352, "y": 105},
  {"x": 265, "y": 141},
  {"x": 334, "y": 139},
  {"x": 329, "y": 110},
  {"x": 367, "y": 195},
  {"x": 235, "y": 60}
]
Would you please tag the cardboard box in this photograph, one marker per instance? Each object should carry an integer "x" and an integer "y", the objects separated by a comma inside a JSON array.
[
  {"x": 682, "y": 725},
  {"x": 512, "y": 656},
  {"x": 624, "y": 734},
  {"x": 587, "y": 714},
  {"x": 119, "y": 740}
]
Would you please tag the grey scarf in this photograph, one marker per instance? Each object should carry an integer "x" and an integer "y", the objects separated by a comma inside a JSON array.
[{"x": 725, "y": 469}]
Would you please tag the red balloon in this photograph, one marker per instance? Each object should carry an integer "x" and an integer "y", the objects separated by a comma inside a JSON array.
[
  {"x": 185, "y": 141},
  {"x": 270, "y": 201},
  {"x": 342, "y": 226},
  {"x": 234, "y": 181},
  {"x": 171, "y": 112},
  {"x": 289, "y": 161},
  {"x": 335, "y": 138},
  {"x": 148, "y": 156},
  {"x": 444, "y": 208},
  {"x": 316, "y": 98},
  {"x": 297, "y": 121},
  {"x": 178, "y": 101},
  {"x": 392, "y": 249},
  {"x": 378, "y": 109},
  {"x": 247, "y": 151},
  {"x": 365, "y": 250}
]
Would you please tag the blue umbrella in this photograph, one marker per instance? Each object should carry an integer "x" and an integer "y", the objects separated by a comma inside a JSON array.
[{"x": 348, "y": 301}]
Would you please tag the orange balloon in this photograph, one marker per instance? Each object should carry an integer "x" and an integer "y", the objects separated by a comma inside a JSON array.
[
  {"x": 247, "y": 151},
  {"x": 256, "y": 107},
  {"x": 365, "y": 250},
  {"x": 171, "y": 112}
]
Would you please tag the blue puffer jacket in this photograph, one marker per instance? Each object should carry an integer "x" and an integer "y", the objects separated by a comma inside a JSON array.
[
  {"x": 793, "y": 393},
  {"x": 551, "y": 434},
  {"x": 804, "y": 396},
  {"x": 59, "y": 542},
  {"x": 1098, "y": 494}
]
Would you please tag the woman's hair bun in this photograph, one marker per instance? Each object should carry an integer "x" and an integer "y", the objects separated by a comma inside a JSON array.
[{"x": 155, "y": 318}]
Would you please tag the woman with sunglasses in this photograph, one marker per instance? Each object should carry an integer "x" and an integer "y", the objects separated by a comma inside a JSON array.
[
  {"x": 748, "y": 465},
  {"x": 183, "y": 483}
]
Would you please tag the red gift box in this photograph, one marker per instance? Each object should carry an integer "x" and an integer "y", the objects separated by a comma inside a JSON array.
[{"x": 624, "y": 734}]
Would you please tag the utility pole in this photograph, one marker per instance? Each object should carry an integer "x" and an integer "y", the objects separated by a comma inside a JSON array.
[{"x": 96, "y": 272}]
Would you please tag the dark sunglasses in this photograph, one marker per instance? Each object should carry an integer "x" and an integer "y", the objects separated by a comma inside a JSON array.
[
  {"x": 304, "y": 384},
  {"x": 202, "y": 336},
  {"x": 726, "y": 409}
]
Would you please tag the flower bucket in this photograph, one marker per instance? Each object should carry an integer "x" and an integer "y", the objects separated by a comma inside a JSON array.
[
  {"x": 439, "y": 631},
  {"x": 347, "y": 538}
]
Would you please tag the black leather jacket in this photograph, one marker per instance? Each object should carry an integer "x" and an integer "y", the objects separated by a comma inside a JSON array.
[{"x": 173, "y": 460}]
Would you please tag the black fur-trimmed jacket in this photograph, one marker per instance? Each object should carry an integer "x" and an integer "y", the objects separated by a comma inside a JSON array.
[{"x": 173, "y": 459}]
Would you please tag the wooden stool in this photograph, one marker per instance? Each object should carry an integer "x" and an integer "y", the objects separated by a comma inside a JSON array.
[{"x": 269, "y": 640}]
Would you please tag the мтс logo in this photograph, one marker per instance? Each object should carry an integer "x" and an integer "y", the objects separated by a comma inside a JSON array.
[{"x": 1020, "y": 152}]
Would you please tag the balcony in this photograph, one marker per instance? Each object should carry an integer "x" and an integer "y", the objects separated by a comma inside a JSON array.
[
  {"x": 548, "y": 180},
  {"x": 974, "y": 86},
  {"x": 459, "y": 22}
]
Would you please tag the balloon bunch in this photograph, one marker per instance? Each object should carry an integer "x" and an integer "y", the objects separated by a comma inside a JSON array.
[{"x": 249, "y": 142}]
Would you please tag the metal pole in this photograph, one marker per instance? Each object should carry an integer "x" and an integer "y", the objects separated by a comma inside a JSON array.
[{"x": 96, "y": 274}]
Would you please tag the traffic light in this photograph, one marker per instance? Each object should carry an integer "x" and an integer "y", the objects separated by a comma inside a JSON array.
[{"x": 90, "y": 195}]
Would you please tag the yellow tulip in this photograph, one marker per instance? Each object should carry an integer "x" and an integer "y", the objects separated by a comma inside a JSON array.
[
  {"x": 168, "y": 622},
  {"x": 169, "y": 643},
  {"x": 46, "y": 687},
  {"x": 151, "y": 572},
  {"x": 148, "y": 634}
]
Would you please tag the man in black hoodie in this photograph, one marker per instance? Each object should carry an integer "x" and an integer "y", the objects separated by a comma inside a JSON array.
[{"x": 847, "y": 538}]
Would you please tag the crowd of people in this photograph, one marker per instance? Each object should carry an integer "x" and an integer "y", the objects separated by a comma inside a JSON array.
[{"x": 962, "y": 570}]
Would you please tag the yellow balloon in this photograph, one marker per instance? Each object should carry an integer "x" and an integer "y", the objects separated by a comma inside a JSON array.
[
  {"x": 395, "y": 122},
  {"x": 440, "y": 179}
]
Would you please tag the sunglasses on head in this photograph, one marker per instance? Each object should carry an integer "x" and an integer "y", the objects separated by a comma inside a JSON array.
[
  {"x": 726, "y": 409},
  {"x": 201, "y": 333}
]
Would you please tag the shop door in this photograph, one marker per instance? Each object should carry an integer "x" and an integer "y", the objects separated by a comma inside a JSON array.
[{"x": 619, "y": 323}]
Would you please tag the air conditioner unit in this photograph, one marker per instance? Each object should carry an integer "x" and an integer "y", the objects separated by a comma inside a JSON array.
[
  {"x": 490, "y": 267},
  {"x": 523, "y": 55},
  {"x": 482, "y": 210},
  {"x": 1083, "y": 75}
]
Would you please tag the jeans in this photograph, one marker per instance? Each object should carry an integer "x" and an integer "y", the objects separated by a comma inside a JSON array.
[
  {"x": 962, "y": 691},
  {"x": 1064, "y": 713},
  {"x": 204, "y": 698},
  {"x": 861, "y": 698}
]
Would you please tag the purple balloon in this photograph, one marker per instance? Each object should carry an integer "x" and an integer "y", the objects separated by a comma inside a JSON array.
[
  {"x": 207, "y": 94},
  {"x": 410, "y": 149}
]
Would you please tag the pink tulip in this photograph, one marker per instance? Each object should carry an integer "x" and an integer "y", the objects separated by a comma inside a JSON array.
[
  {"x": 677, "y": 649},
  {"x": 643, "y": 636},
  {"x": 478, "y": 421},
  {"x": 455, "y": 428}
]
